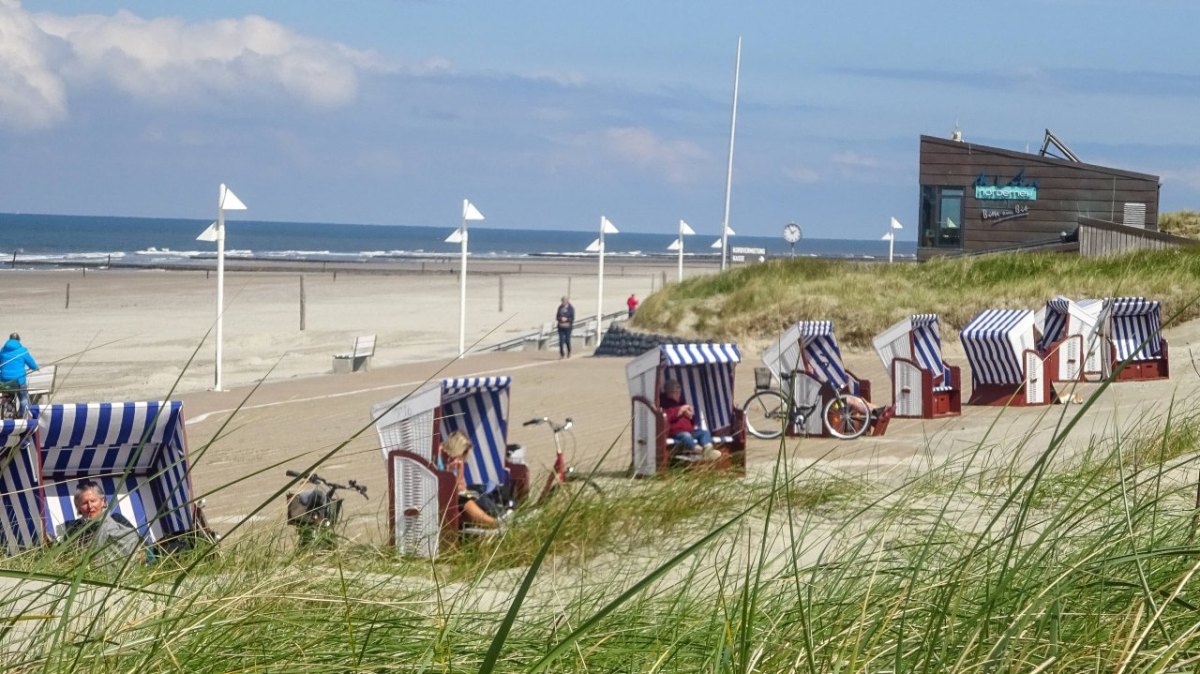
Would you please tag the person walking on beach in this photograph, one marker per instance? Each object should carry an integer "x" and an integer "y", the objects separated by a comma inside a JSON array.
[
  {"x": 632, "y": 304},
  {"x": 564, "y": 318},
  {"x": 14, "y": 359}
]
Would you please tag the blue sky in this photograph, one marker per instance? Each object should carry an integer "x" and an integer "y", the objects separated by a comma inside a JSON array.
[{"x": 549, "y": 114}]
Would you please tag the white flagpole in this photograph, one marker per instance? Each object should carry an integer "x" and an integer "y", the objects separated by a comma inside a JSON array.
[
  {"x": 220, "y": 282},
  {"x": 462, "y": 287},
  {"x": 737, "y": 68},
  {"x": 684, "y": 230},
  {"x": 606, "y": 227}
]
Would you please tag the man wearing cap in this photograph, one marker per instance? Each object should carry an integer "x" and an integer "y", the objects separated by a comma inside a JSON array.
[{"x": 14, "y": 359}]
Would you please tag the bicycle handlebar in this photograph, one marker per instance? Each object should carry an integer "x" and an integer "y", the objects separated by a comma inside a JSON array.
[
  {"x": 317, "y": 479},
  {"x": 566, "y": 424}
]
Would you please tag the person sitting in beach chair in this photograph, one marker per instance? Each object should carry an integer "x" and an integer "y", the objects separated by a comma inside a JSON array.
[
  {"x": 681, "y": 423},
  {"x": 477, "y": 508},
  {"x": 112, "y": 533}
]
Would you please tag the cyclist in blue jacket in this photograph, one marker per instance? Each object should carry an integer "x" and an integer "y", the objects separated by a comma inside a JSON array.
[{"x": 14, "y": 359}]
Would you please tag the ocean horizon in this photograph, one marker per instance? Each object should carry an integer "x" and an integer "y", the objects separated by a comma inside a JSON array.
[{"x": 41, "y": 239}]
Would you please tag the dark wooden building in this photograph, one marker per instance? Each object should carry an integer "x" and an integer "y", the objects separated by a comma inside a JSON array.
[{"x": 976, "y": 198}]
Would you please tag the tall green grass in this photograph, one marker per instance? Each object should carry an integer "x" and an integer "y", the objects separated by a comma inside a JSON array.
[{"x": 865, "y": 298}]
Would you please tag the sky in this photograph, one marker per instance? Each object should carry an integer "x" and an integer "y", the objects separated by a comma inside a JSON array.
[{"x": 548, "y": 114}]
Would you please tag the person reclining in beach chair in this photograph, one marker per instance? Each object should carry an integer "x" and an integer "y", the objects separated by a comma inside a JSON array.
[
  {"x": 681, "y": 423},
  {"x": 477, "y": 507}
]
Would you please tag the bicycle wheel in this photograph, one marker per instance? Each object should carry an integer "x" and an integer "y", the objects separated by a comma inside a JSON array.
[
  {"x": 766, "y": 412},
  {"x": 846, "y": 418}
]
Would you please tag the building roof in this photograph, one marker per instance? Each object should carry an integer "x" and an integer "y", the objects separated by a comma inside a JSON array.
[{"x": 1031, "y": 157}]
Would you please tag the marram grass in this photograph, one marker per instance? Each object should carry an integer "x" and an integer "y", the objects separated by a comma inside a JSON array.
[{"x": 864, "y": 298}]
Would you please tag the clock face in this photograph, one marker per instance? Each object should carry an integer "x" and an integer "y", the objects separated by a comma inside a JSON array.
[{"x": 791, "y": 233}]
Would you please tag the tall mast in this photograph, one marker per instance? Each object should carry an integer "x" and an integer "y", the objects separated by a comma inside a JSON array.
[{"x": 737, "y": 69}]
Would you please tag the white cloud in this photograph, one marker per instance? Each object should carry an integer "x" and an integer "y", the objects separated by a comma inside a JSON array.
[
  {"x": 678, "y": 161},
  {"x": 31, "y": 95},
  {"x": 801, "y": 174},
  {"x": 168, "y": 61},
  {"x": 853, "y": 160}
]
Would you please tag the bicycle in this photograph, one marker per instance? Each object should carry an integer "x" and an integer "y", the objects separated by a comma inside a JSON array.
[
  {"x": 10, "y": 401},
  {"x": 844, "y": 416},
  {"x": 316, "y": 511},
  {"x": 562, "y": 473},
  {"x": 199, "y": 537}
]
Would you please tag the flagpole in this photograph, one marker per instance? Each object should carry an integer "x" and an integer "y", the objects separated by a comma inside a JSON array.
[
  {"x": 600, "y": 283},
  {"x": 737, "y": 68},
  {"x": 462, "y": 286},
  {"x": 220, "y": 281}
]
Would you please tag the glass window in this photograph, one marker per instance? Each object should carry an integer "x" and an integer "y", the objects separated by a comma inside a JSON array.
[{"x": 941, "y": 217}]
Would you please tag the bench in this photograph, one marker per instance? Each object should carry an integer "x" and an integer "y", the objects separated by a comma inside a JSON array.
[
  {"x": 540, "y": 341},
  {"x": 41, "y": 384},
  {"x": 358, "y": 358}
]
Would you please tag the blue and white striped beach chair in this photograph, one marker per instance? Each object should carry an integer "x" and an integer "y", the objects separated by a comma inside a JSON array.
[
  {"x": 706, "y": 373},
  {"x": 1071, "y": 330},
  {"x": 1133, "y": 327},
  {"x": 21, "y": 527},
  {"x": 1006, "y": 368},
  {"x": 808, "y": 358},
  {"x": 423, "y": 506},
  {"x": 136, "y": 451},
  {"x": 923, "y": 385}
]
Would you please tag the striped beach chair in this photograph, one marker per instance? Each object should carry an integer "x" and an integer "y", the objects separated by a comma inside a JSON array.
[
  {"x": 807, "y": 358},
  {"x": 923, "y": 385},
  {"x": 136, "y": 451},
  {"x": 21, "y": 527},
  {"x": 1006, "y": 368},
  {"x": 1071, "y": 329},
  {"x": 706, "y": 373},
  {"x": 423, "y": 505},
  {"x": 1133, "y": 328}
]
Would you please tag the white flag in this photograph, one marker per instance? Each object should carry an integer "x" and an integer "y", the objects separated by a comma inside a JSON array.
[
  {"x": 607, "y": 227},
  {"x": 457, "y": 236},
  {"x": 729, "y": 231},
  {"x": 896, "y": 224},
  {"x": 887, "y": 237},
  {"x": 685, "y": 229},
  {"x": 675, "y": 245},
  {"x": 229, "y": 201},
  {"x": 717, "y": 243},
  {"x": 470, "y": 212},
  {"x": 209, "y": 234},
  {"x": 594, "y": 247}
]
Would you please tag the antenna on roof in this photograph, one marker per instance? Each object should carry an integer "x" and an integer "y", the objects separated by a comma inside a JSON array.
[{"x": 1052, "y": 139}]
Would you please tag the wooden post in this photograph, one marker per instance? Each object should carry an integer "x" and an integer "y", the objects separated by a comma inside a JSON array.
[
  {"x": 206, "y": 273},
  {"x": 652, "y": 284},
  {"x": 664, "y": 280},
  {"x": 14, "y": 262},
  {"x": 302, "y": 301},
  {"x": 501, "y": 294},
  {"x": 422, "y": 267},
  {"x": 335, "y": 276},
  {"x": 68, "y": 304},
  {"x": 84, "y": 270},
  {"x": 568, "y": 286}
]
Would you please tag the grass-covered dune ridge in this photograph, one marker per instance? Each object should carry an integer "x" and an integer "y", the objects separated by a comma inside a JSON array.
[{"x": 759, "y": 301}]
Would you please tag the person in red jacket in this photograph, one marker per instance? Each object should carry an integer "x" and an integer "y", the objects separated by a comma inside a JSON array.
[
  {"x": 681, "y": 423},
  {"x": 632, "y": 303}
]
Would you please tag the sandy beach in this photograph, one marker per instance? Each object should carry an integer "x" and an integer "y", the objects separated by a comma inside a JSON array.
[{"x": 128, "y": 334}]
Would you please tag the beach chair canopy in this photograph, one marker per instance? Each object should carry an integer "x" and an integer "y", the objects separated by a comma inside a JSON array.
[
  {"x": 924, "y": 347},
  {"x": 478, "y": 406},
  {"x": 808, "y": 346},
  {"x": 705, "y": 372},
  {"x": 995, "y": 341},
  {"x": 136, "y": 452},
  {"x": 20, "y": 528},
  {"x": 1135, "y": 328},
  {"x": 1063, "y": 317}
]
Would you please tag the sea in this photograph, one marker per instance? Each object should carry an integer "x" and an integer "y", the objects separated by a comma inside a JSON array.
[{"x": 39, "y": 240}]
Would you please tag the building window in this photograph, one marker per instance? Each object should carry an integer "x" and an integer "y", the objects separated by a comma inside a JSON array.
[{"x": 941, "y": 217}]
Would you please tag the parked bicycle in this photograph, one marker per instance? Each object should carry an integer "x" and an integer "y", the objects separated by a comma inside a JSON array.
[
  {"x": 317, "y": 511},
  {"x": 768, "y": 411},
  {"x": 562, "y": 474},
  {"x": 9, "y": 402},
  {"x": 200, "y": 537}
]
